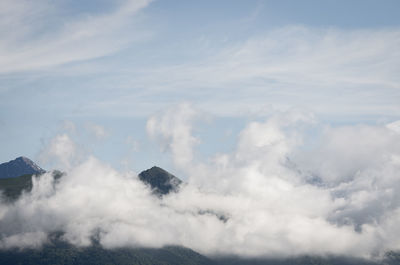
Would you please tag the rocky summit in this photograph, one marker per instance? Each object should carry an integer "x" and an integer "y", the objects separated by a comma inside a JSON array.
[
  {"x": 18, "y": 167},
  {"x": 160, "y": 181}
]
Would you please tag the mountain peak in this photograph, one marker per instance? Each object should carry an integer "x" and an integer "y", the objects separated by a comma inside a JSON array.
[
  {"x": 161, "y": 181},
  {"x": 18, "y": 167}
]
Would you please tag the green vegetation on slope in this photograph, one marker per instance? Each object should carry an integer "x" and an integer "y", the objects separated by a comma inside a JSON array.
[
  {"x": 13, "y": 187},
  {"x": 304, "y": 260}
]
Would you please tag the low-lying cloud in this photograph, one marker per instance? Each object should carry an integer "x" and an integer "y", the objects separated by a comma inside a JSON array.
[{"x": 272, "y": 196}]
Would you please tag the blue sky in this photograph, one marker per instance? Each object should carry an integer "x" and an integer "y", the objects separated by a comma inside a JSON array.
[{"x": 98, "y": 70}]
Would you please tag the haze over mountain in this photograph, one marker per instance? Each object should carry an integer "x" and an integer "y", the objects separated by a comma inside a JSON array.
[
  {"x": 56, "y": 250},
  {"x": 256, "y": 200},
  {"x": 18, "y": 167}
]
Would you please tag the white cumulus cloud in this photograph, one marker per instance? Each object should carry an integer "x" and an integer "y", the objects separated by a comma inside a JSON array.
[{"x": 269, "y": 197}]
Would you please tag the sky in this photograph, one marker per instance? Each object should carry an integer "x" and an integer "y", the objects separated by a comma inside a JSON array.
[
  {"x": 264, "y": 105},
  {"x": 113, "y": 64}
]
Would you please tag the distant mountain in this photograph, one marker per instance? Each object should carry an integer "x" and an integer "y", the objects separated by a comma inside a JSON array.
[
  {"x": 18, "y": 167},
  {"x": 63, "y": 253},
  {"x": 160, "y": 181}
]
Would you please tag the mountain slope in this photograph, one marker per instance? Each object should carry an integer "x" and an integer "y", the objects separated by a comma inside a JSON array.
[
  {"x": 13, "y": 187},
  {"x": 18, "y": 167},
  {"x": 302, "y": 260},
  {"x": 63, "y": 253}
]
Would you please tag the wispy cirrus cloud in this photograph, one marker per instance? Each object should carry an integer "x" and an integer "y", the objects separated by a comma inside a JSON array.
[
  {"x": 331, "y": 71},
  {"x": 37, "y": 35},
  {"x": 327, "y": 69}
]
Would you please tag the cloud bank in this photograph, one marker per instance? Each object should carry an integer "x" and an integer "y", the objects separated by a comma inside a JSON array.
[{"x": 272, "y": 196}]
